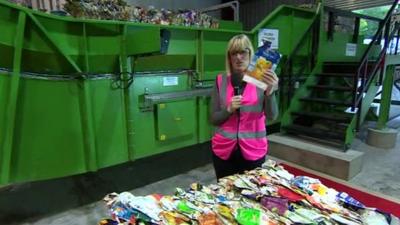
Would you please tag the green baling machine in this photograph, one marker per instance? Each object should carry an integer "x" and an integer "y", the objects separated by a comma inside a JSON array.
[{"x": 79, "y": 95}]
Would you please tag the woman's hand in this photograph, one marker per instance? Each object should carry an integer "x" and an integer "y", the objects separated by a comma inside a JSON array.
[
  {"x": 235, "y": 104},
  {"x": 271, "y": 79}
]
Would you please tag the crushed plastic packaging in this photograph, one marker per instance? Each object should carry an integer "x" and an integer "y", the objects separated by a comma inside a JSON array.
[
  {"x": 264, "y": 59},
  {"x": 275, "y": 204},
  {"x": 344, "y": 197},
  {"x": 248, "y": 216},
  {"x": 258, "y": 197},
  {"x": 121, "y": 10}
]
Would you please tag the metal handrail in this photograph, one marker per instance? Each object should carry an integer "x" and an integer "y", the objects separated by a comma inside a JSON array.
[
  {"x": 345, "y": 13},
  {"x": 392, "y": 35},
  {"x": 362, "y": 69},
  {"x": 288, "y": 66},
  {"x": 338, "y": 12},
  {"x": 383, "y": 52}
]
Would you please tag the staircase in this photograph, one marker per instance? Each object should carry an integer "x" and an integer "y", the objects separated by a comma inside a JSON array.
[
  {"x": 325, "y": 112},
  {"x": 335, "y": 98}
]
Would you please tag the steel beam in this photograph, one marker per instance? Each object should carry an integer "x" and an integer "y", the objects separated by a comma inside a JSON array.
[
  {"x": 386, "y": 98},
  {"x": 58, "y": 48},
  {"x": 12, "y": 102},
  {"x": 85, "y": 105}
]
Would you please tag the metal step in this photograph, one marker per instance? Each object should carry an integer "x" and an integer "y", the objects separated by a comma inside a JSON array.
[
  {"x": 325, "y": 101},
  {"x": 315, "y": 133},
  {"x": 331, "y": 88},
  {"x": 344, "y": 67},
  {"x": 345, "y": 75},
  {"x": 340, "y": 67},
  {"x": 326, "y": 116}
]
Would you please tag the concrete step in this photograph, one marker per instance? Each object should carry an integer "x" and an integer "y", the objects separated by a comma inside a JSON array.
[{"x": 325, "y": 159}]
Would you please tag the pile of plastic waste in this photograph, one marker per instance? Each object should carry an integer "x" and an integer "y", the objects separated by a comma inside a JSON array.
[
  {"x": 265, "y": 196},
  {"x": 99, "y": 9},
  {"x": 120, "y": 10},
  {"x": 20, "y": 2}
]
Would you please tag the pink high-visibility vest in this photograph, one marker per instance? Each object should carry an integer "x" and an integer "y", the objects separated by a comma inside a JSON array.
[{"x": 246, "y": 128}]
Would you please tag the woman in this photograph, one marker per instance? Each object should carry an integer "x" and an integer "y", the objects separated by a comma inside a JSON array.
[{"x": 239, "y": 111}]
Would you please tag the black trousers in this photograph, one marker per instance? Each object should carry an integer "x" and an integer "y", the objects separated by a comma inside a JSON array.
[{"x": 236, "y": 163}]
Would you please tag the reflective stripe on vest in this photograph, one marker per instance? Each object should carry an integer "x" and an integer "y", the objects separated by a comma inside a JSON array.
[
  {"x": 244, "y": 135},
  {"x": 222, "y": 92}
]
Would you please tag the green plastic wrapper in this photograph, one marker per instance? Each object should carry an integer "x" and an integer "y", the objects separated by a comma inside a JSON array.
[
  {"x": 184, "y": 207},
  {"x": 247, "y": 216}
]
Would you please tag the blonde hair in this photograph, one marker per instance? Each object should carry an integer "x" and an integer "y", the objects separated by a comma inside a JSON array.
[{"x": 237, "y": 43}]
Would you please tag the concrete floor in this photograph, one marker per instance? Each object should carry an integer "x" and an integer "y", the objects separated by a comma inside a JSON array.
[
  {"x": 77, "y": 199},
  {"x": 381, "y": 170}
]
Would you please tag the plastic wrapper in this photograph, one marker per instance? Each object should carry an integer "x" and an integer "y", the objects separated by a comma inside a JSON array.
[
  {"x": 264, "y": 59},
  {"x": 108, "y": 222},
  {"x": 209, "y": 219},
  {"x": 304, "y": 183},
  {"x": 147, "y": 205},
  {"x": 253, "y": 195},
  {"x": 185, "y": 207},
  {"x": 289, "y": 194},
  {"x": 204, "y": 197},
  {"x": 296, "y": 218},
  {"x": 172, "y": 218},
  {"x": 247, "y": 216},
  {"x": 311, "y": 214},
  {"x": 344, "y": 197},
  {"x": 343, "y": 220},
  {"x": 371, "y": 217},
  {"x": 278, "y": 205},
  {"x": 225, "y": 212},
  {"x": 269, "y": 164},
  {"x": 122, "y": 213}
]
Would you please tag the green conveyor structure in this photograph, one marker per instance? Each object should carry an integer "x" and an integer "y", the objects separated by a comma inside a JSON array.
[{"x": 78, "y": 95}]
